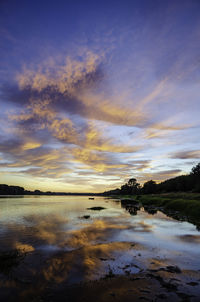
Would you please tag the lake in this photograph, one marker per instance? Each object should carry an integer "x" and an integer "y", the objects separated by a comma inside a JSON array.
[{"x": 57, "y": 241}]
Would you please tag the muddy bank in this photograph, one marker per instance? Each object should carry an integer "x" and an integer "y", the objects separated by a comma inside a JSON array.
[
  {"x": 162, "y": 280},
  {"x": 151, "y": 285},
  {"x": 148, "y": 286}
]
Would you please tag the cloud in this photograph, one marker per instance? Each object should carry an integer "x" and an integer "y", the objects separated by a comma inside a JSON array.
[
  {"x": 168, "y": 172},
  {"x": 64, "y": 78},
  {"x": 159, "y": 175},
  {"x": 186, "y": 154},
  {"x": 34, "y": 158},
  {"x": 74, "y": 87},
  {"x": 52, "y": 96},
  {"x": 96, "y": 160},
  {"x": 163, "y": 131},
  {"x": 95, "y": 141},
  {"x": 65, "y": 121},
  {"x": 40, "y": 160},
  {"x": 80, "y": 101},
  {"x": 139, "y": 165}
]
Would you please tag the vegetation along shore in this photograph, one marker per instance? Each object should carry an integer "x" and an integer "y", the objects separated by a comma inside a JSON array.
[{"x": 178, "y": 197}]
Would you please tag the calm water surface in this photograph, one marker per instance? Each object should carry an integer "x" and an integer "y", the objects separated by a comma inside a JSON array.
[{"x": 60, "y": 245}]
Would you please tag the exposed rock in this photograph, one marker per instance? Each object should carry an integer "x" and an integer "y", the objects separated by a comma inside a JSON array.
[
  {"x": 169, "y": 269},
  {"x": 173, "y": 269},
  {"x": 193, "y": 283},
  {"x": 150, "y": 209},
  {"x": 96, "y": 208},
  {"x": 85, "y": 217}
]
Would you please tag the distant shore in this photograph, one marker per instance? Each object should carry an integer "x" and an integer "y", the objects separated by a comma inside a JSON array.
[{"x": 17, "y": 190}]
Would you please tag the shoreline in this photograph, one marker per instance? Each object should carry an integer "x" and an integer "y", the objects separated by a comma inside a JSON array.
[
  {"x": 183, "y": 206},
  {"x": 150, "y": 285}
]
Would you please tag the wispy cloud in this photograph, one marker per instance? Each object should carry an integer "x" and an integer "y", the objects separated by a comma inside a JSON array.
[
  {"x": 186, "y": 154},
  {"x": 160, "y": 175},
  {"x": 103, "y": 104}
]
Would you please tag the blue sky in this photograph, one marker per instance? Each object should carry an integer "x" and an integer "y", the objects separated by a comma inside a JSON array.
[{"x": 95, "y": 93}]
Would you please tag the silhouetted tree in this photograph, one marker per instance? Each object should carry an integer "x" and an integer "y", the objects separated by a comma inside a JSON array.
[
  {"x": 131, "y": 187},
  {"x": 11, "y": 190},
  {"x": 196, "y": 170},
  {"x": 182, "y": 183},
  {"x": 195, "y": 175},
  {"x": 149, "y": 187},
  {"x": 132, "y": 182}
]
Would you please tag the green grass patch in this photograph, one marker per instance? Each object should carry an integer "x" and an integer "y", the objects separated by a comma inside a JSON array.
[
  {"x": 186, "y": 204},
  {"x": 174, "y": 202}
]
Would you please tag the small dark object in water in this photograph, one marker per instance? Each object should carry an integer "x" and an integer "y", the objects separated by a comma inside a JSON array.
[
  {"x": 150, "y": 210},
  {"x": 135, "y": 265},
  {"x": 169, "y": 269},
  {"x": 85, "y": 216},
  {"x": 193, "y": 283},
  {"x": 132, "y": 210},
  {"x": 92, "y": 198},
  {"x": 173, "y": 269},
  {"x": 96, "y": 208}
]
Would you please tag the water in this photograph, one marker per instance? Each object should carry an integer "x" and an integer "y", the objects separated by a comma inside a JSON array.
[{"x": 59, "y": 245}]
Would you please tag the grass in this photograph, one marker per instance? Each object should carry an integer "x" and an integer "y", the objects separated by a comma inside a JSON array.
[{"x": 185, "y": 206}]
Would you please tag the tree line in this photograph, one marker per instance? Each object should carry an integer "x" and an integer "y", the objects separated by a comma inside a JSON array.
[
  {"x": 17, "y": 190},
  {"x": 183, "y": 183},
  {"x": 11, "y": 190}
]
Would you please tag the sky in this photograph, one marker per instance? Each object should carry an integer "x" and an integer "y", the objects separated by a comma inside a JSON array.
[{"x": 93, "y": 93}]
